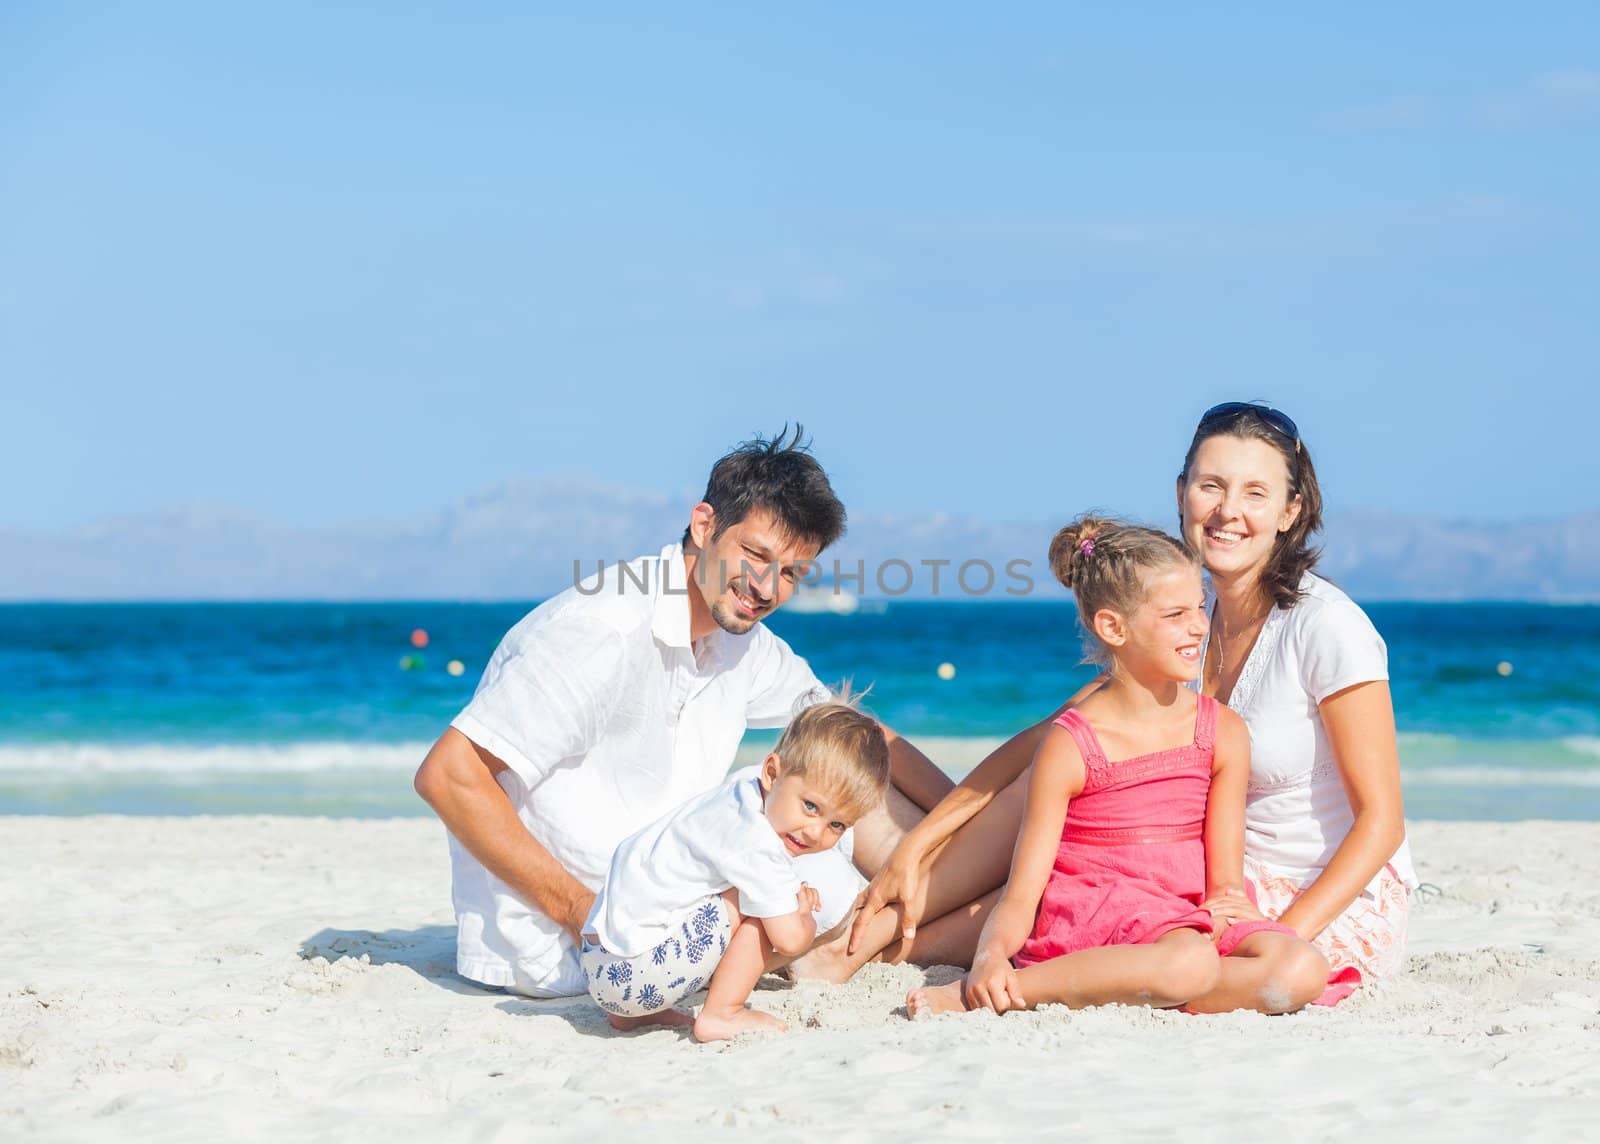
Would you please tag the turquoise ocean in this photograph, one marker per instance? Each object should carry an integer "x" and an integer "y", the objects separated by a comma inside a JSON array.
[{"x": 316, "y": 709}]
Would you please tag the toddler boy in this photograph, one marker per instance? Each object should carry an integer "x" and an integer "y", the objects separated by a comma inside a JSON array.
[{"x": 711, "y": 890}]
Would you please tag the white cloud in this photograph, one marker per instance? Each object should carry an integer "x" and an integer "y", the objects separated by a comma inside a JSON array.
[
  {"x": 1555, "y": 95},
  {"x": 720, "y": 286},
  {"x": 1574, "y": 84},
  {"x": 1550, "y": 97},
  {"x": 1402, "y": 113},
  {"x": 1482, "y": 208}
]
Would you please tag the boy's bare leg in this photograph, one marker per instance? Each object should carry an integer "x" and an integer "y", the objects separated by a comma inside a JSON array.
[
  {"x": 724, "y": 1014},
  {"x": 1170, "y": 971}
]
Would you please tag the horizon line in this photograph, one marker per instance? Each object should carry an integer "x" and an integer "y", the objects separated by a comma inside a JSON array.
[{"x": 1031, "y": 600}]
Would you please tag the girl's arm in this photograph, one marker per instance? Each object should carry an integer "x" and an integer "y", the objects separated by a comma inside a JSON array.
[
  {"x": 1057, "y": 776},
  {"x": 1224, "y": 831},
  {"x": 901, "y": 877},
  {"x": 1360, "y": 724}
]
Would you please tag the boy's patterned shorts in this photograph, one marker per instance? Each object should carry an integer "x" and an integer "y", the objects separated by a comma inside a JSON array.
[{"x": 661, "y": 977}]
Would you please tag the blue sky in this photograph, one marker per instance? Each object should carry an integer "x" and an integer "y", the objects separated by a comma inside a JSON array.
[{"x": 347, "y": 262}]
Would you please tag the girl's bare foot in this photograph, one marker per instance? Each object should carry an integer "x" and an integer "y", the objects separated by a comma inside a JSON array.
[
  {"x": 935, "y": 999},
  {"x": 721, "y": 1025},
  {"x": 671, "y": 1017}
]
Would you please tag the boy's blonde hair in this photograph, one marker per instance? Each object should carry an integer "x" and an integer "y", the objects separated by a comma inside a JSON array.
[{"x": 842, "y": 750}]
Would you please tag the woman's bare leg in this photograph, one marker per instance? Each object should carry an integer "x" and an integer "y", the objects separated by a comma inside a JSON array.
[
  {"x": 975, "y": 861},
  {"x": 880, "y": 830},
  {"x": 1166, "y": 973},
  {"x": 1268, "y": 972},
  {"x": 952, "y": 940}
]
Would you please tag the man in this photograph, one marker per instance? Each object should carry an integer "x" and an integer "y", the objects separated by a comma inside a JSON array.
[{"x": 622, "y": 697}]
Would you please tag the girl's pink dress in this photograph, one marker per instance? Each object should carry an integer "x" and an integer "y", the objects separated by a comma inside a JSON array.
[{"x": 1132, "y": 861}]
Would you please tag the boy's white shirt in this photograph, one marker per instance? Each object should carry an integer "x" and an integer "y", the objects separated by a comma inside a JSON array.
[{"x": 716, "y": 841}]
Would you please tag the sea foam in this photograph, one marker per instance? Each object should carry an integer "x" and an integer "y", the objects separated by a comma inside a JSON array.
[{"x": 66, "y": 760}]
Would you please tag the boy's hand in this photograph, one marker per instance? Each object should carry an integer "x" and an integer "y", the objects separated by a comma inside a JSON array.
[{"x": 810, "y": 901}]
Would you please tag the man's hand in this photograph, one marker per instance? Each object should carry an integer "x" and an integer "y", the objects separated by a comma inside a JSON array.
[
  {"x": 457, "y": 779},
  {"x": 577, "y": 913}
]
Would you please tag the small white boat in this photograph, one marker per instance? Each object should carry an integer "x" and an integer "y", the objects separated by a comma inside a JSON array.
[{"x": 823, "y": 599}]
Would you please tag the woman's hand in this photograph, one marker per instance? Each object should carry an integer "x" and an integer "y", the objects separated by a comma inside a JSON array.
[
  {"x": 1228, "y": 906},
  {"x": 993, "y": 983},
  {"x": 902, "y": 880}
]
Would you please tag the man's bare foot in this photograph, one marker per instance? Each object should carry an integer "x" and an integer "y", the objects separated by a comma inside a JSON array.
[
  {"x": 719, "y": 1026},
  {"x": 935, "y": 999},
  {"x": 668, "y": 1017},
  {"x": 827, "y": 962}
]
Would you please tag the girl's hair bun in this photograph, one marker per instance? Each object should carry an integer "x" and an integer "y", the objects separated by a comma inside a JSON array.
[
  {"x": 1104, "y": 562},
  {"x": 1073, "y": 547}
]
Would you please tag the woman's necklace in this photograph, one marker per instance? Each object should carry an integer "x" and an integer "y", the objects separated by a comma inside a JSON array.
[{"x": 1247, "y": 632}]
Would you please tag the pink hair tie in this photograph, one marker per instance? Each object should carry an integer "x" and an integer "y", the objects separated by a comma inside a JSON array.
[{"x": 1086, "y": 546}]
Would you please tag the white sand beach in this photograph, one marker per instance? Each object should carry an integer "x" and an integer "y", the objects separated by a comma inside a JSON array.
[{"x": 290, "y": 979}]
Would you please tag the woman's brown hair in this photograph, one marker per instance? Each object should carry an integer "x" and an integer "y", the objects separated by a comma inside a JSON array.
[{"x": 1292, "y": 552}]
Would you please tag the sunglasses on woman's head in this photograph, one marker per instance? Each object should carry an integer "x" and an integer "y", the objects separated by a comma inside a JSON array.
[{"x": 1272, "y": 418}]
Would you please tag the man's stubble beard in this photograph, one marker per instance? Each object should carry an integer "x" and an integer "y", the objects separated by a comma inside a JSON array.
[{"x": 722, "y": 615}]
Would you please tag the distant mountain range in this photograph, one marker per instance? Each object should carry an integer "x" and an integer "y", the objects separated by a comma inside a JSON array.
[{"x": 521, "y": 540}]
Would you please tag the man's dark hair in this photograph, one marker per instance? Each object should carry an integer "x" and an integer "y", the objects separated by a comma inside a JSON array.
[{"x": 781, "y": 476}]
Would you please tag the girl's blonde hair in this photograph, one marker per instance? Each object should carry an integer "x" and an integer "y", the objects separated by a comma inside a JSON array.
[
  {"x": 841, "y": 749},
  {"x": 1105, "y": 563}
]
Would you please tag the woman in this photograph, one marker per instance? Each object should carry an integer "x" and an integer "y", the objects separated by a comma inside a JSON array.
[{"x": 1301, "y": 663}]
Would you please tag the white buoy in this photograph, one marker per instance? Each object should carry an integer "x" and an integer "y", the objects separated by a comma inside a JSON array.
[
  {"x": 1503, "y": 668},
  {"x": 947, "y": 671},
  {"x": 455, "y": 667}
]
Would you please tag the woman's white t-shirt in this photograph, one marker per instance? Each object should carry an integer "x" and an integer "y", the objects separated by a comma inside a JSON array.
[{"x": 1296, "y": 811}]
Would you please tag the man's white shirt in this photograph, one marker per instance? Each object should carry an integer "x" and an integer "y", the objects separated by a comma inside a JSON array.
[{"x": 607, "y": 716}]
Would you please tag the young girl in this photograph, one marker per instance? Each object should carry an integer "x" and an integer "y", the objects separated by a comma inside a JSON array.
[{"x": 1132, "y": 841}]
